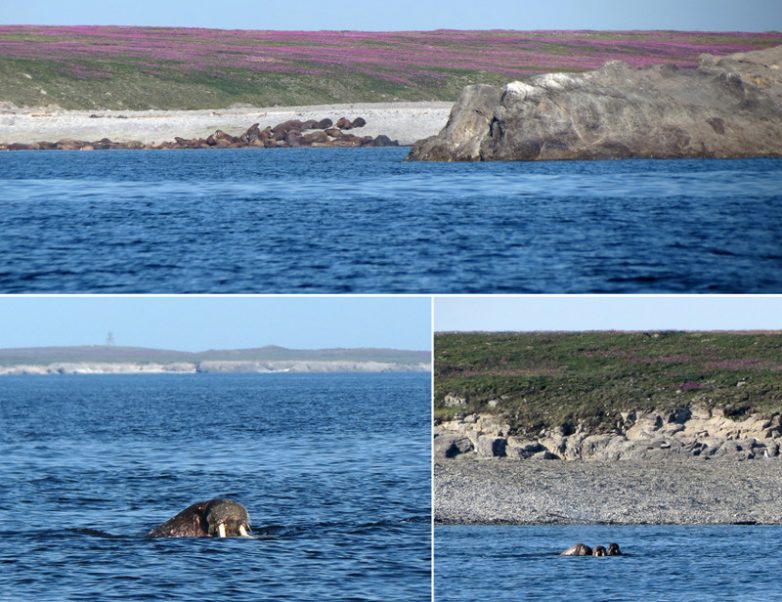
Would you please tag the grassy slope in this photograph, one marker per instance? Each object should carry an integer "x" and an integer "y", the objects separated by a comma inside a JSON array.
[
  {"x": 552, "y": 379},
  {"x": 102, "y": 353},
  {"x": 144, "y": 68}
]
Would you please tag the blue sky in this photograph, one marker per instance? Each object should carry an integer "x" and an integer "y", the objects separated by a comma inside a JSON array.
[
  {"x": 200, "y": 323},
  {"x": 608, "y": 313},
  {"x": 716, "y": 15}
]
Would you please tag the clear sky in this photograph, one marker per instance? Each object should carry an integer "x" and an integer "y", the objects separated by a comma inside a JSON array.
[
  {"x": 201, "y": 323},
  {"x": 608, "y": 313},
  {"x": 379, "y": 15}
]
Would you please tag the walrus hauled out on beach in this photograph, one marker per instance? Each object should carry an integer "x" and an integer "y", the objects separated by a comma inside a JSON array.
[{"x": 213, "y": 518}]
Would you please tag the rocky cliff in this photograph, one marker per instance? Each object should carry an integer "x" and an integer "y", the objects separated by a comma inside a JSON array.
[
  {"x": 727, "y": 107},
  {"x": 694, "y": 432}
]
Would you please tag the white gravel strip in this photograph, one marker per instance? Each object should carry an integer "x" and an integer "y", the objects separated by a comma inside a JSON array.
[{"x": 674, "y": 491}]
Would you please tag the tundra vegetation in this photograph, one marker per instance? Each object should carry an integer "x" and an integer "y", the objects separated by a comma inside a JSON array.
[
  {"x": 549, "y": 380},
  {"x": 135, "y": 68}
]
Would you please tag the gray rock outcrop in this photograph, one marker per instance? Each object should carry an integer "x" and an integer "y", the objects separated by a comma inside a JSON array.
[
  {"x": 727, "y": 107},
  {"x": 695, "y": 432}
]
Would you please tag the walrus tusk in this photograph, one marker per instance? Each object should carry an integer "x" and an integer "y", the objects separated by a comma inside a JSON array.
[
  {"x": 243, "y": 532},
  {"x": 221, "y": 530}
]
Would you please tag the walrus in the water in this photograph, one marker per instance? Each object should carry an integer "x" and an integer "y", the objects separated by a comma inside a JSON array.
[
  {"x": 579, "y": 549},
  {"x": 213, "y": 518},
  {"x": 583, "y": 550}
]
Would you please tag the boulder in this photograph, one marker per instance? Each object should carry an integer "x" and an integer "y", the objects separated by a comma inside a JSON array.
[
  {"x": 454, "y": 401},
  {"x": 451, "y": 445},
  {"x": 489, "y": 446},
  {"x": 521, "y": 449},
  {"x": 727, "y": 107}
]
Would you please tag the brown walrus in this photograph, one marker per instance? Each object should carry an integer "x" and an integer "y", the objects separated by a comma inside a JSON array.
[
  {"x": 613, "y": 549},
  {"x": 599, "y": 551},
  {"x": 213, "y": 518},
  {"x": 579, "y": 549}
]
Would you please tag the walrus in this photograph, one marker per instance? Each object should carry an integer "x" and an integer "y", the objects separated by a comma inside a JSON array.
[
  {"x": 213, "y": 518},
  {"x": 613, "y": 549},
  {"x": 599, "y": 551},
  {"x": 579, "y": 549}
]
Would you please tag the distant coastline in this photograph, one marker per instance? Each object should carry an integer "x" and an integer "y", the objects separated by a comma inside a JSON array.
[{"x": 265, "y": 360}]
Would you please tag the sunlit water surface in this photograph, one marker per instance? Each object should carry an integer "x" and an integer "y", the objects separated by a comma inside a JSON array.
[
  {"x": 334, "y": 470},
  {"x": 364, "y": 220}
]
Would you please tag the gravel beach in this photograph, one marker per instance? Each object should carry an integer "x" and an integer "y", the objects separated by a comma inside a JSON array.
[
  {"x": 402, "y": 121},
  {"x": 670, "y": 491}
]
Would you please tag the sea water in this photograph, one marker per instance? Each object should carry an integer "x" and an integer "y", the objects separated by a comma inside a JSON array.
[
  {"x": 366, "y": 221},
  {"x": 333, "y": 469},
  {"x": 664, "y": 563}
]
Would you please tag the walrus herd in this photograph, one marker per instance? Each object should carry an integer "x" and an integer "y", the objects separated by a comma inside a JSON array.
[{"x": 581, "y": 549}]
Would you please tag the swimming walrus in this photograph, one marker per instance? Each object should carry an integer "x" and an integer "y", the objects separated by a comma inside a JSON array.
[
  {"x": 581, "y": 549},
  {"x": 213, "y": 518}
]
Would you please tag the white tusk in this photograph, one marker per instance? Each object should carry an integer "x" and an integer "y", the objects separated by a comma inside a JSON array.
[
  {"x": 243, "y": 532},
  {"x": 221, "y": 530}
]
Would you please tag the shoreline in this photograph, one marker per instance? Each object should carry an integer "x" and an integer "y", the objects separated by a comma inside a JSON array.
[
  {"x": 406, "y": 122},
  {"x": 667, "y": 491},
  {"x": 213, "y": 367}
]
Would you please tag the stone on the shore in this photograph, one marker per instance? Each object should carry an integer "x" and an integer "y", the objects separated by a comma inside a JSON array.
[
  {"x": 489, "y": 446},
  {"x": 454, "y": 401},
  {"x": 727, "y": 107},
  {"x": 451, "y": 445}
]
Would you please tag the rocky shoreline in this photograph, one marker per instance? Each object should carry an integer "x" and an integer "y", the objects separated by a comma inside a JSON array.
[
  {"x": 210, "y": 366},
  {"x": 288, "y": 134},
  {"x": 689, "y": 466},
  {"x": 728, "y": 107},
  {"x": 695, "y": 432}
]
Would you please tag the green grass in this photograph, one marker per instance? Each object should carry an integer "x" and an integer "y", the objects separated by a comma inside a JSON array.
[{"x": 545, "y": 380}]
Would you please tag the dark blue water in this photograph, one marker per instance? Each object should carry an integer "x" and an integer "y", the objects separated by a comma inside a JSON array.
[
  {"x": 661, "y": 563},
  {"x": 334, "y": 470},
  {"x": 347, "y": 220}
]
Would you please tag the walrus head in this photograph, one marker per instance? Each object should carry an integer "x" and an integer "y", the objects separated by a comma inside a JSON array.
[
  {"x": 599, "y": 551},
  {"x": 226, "y": 518},
  {"x": 613, "y": 549}
]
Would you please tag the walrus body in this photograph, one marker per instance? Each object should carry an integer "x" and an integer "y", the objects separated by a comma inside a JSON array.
[
  {"x": 579, "y": 549},
  {"x": 213, "y": 518}
]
